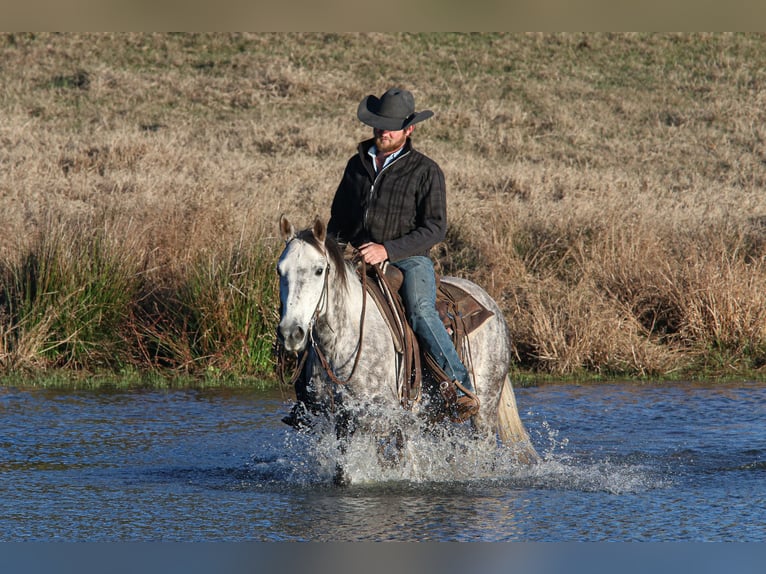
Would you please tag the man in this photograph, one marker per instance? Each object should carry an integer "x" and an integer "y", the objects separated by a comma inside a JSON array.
[{"x": 391, "y": 205}]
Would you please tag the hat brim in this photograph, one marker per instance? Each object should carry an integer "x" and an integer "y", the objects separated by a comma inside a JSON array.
[{"x": 370, "y": 118}]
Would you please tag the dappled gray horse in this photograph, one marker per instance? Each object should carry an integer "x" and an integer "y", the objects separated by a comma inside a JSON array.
[{"x": 324, "y": 313}]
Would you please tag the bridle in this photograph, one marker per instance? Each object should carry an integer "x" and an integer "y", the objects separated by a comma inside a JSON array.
[{"x": 281, "y": 353}]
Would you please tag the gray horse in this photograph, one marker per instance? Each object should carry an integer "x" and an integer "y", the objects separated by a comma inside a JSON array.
[{"x": 355, "y": 366}]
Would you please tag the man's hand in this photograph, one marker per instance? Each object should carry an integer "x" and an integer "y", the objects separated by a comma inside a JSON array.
[{"x": 373, "y": 253}]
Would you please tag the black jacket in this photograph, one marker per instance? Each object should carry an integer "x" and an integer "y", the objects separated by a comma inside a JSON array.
[{"x": 404, "y": 207}]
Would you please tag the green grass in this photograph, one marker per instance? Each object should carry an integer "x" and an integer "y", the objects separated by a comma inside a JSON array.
[
  {"x": 219, "y": 318},
  {"x": 86, "y": 302},
  {"x": 128, "y": 380},
  {"x": 65, "y": 301}
]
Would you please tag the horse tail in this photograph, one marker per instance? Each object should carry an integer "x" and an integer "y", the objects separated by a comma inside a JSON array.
[{"x": 510, "y": 428}]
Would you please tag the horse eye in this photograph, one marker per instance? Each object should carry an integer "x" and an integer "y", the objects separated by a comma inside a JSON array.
[{"x": 319, "y": 271}]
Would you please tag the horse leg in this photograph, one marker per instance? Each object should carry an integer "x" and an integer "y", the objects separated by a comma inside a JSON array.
[
  {"x": 388, "y": 437},
  {"x": 310, "y": 395},
  {"x": 341, "y": 477},
  {"x": 390, "y": 448},
  {"x": 345, "y": 425}
]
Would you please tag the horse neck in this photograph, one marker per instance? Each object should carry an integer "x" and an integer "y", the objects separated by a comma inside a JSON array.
[
  {"x": 354, "y": 337},
  {"x": 338, "y": 326}
]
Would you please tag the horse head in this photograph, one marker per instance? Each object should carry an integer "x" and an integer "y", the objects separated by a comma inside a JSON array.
[{"x": 303, "y": 271}]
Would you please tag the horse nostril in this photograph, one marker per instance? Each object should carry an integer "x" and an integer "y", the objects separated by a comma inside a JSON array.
[
  {"x": 292, "y": 336},
  {"x": 297, "y": 335}
]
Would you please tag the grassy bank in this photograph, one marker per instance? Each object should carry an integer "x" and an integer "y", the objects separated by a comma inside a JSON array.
[{"x": 606, "y": 189}]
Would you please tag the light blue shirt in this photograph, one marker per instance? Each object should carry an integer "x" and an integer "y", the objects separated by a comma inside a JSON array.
[{"x": 373, "y": 151}]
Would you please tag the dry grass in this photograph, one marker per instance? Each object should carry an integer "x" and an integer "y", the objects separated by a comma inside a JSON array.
[{"x": 607, "y": 189}]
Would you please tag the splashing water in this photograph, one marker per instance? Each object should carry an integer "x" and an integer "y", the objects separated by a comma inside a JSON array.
[{"x": 453, "y": 454}]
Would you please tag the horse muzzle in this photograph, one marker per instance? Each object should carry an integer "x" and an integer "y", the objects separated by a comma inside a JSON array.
[{"x": 293, "y": 337}]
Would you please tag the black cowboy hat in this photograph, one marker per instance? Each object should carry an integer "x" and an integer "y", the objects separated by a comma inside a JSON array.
[{"x": 394, "y": 110}]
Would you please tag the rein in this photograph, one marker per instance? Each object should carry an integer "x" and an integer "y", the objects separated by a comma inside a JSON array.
[
  {"x": 282, "y": 364},
  {"x": 323, "y": 359}
]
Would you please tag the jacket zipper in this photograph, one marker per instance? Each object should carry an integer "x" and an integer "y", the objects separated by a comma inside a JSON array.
[{"x": 372, "y": 187}]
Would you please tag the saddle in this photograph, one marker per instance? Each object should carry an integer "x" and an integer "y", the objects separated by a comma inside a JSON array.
[{"x": 460, "y": 312}]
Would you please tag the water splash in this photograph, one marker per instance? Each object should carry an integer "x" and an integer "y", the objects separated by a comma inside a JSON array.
[
  {"x": 563, "y": 467},
  {"x": 613, "y": 477},
  {"x": 446, "y": 453},
  {"x": 453, "y": 454}
]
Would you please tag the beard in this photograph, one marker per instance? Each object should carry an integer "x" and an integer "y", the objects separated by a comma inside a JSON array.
[{"x": 387, "y": 144}]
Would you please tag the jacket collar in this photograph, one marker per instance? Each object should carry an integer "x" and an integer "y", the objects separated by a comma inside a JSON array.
[{"x": 364, "y": 148}]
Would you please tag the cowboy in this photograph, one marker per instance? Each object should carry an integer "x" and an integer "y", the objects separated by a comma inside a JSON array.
[{"x": 391, "y": 206}]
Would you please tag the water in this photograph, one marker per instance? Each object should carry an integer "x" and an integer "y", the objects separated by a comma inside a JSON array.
[{"x": 622, "y": 462}]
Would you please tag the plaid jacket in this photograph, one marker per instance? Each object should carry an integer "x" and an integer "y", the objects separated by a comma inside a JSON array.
[{"x": 404, "y": 207}]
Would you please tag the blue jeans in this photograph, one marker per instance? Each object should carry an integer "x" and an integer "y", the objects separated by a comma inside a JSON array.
[{"x": 419, "y": 296}]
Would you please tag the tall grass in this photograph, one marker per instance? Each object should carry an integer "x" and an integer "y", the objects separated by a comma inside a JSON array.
[
  {"x": 86, "y": 297},
  {"x": 217, "y": 316},
  {"x": 620, "y": 298},
  {"x": 65, "y": 300}
]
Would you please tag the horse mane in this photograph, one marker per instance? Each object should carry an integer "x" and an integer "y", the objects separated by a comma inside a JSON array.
[{"x": 331, "y": 247}]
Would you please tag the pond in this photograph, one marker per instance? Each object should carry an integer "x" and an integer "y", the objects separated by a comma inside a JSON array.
[{"x": 621, "y": 462}]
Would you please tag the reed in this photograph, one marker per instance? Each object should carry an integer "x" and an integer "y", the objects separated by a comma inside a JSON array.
[
  {"x": 625, "y": 298},
  {"x": 90, "y": 296},
  {"x": 66, "y": 298},
  {"x": 723, "y": 299},
  {"x": 216, "y": 315}
]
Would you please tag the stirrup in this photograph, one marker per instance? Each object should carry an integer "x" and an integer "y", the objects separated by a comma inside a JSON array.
[{"x": 460, "y": 408}]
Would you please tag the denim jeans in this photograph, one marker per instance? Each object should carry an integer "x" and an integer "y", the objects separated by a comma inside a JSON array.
[{"x": 419, "y": 295}]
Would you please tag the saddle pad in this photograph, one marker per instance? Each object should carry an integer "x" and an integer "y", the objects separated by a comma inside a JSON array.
[{"x": 453, "y": 302}]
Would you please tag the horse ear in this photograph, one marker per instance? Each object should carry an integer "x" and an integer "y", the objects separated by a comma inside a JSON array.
[
  {"x": 319, "y": 230},
  {"x": 286, "y": 228}
]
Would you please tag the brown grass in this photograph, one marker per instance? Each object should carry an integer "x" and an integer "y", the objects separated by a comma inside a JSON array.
[{"x": 607, "y": 189}]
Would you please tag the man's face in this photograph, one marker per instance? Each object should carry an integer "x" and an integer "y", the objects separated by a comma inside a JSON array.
[{"x": 388, "y": 141}]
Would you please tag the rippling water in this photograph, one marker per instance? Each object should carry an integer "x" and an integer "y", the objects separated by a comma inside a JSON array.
[{"x": 620, "y": 462}]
